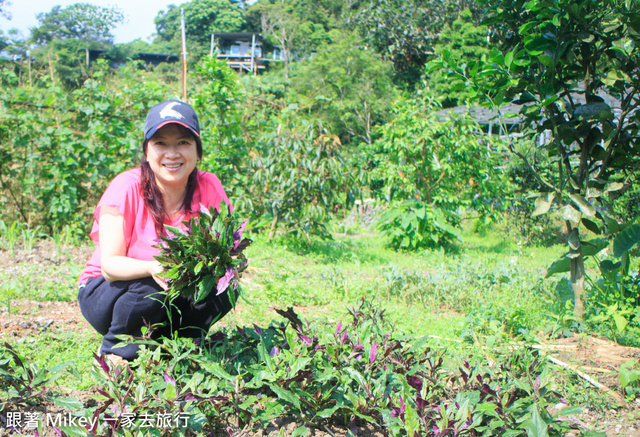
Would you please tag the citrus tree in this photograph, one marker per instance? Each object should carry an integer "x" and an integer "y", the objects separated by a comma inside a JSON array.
[{"x": 574, "y": 66}]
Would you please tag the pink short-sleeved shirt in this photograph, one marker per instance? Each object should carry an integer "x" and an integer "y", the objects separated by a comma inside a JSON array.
[{"x": 123, "y": 193}]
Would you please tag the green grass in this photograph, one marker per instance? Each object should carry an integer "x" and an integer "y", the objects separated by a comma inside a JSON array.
[
  {"x": 34, "y": 282},
  {"x": 69, "y": 349}
]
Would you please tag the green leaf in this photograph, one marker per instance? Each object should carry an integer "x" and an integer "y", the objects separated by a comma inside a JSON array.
[
  {"x": 613, "y": 186},
  {"x": 411, "y": 422},
  {"x": 327, "y": 412},
  {"x": 216, "y": 370},
  {"x": 170, "y": 392},
  {"x": 592, "y": 226},
  {"x": 627, "y": 374},
  {"x": 198, "y": 268},
  {"x": 543, "y": 203},
  {"x": 205, "y": 287},
  {"x": 264, "y": 355},
  {"x": 547, "y": 61},
  {"x": 608, "y": 266},
  {"x": 485, "y": 407},
  {"x": 592, "y": 247},
  {"x": 589, "y": 248},
  {"x": 626, "y": 240},
  {"x": 174, "y": 230},
  {"x": 585, "y": 207},
  {"x": 536, "y": 46},
  {"x": 611, "y": 225},
  {"x": 535, "y": 426},
  {"x": 593, "y": 110},
  {"x": 569, "y": 213},
  {"x": 285, "y": 395},
  {"x": 570, "y": 411},
  {"x": 621, "y": 322},
  {"x": 615, "y": 75},
  {"x": 300, "y": 431},
  {"x": 508, "y": 59},
  {"x": 357, "y": 376},
  {"x": 68, "y": 403}
]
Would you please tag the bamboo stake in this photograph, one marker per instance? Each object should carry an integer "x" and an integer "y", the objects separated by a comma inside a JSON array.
[
  {"x": 582, "y": 375},
  {"x": 589, "y": 379},
  {"x": 253, "y": 55},
  {"x": 184, "y": 56},
  {"x": 29, "y": 66},
  {"x": 53, "y": 79}
]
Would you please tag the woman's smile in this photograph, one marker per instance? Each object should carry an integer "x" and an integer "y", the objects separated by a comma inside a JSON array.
[{"x": 173, "y": 167}]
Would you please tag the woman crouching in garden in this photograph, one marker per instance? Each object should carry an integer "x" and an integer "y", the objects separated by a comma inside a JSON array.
[{"x": 120, "y": 290}]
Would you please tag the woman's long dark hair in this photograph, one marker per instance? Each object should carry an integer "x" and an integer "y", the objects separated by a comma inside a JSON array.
[{"x": 151, "y": 193}]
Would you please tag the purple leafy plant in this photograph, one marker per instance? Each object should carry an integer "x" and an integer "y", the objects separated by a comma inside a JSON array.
[{"x": 207, "y": 256}]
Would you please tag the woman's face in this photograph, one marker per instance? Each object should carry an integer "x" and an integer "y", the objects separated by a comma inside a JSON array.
[{"x": 172, "y": 154}]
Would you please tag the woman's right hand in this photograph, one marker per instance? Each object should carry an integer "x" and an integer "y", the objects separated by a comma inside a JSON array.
[{"x": 156, "y": 269}]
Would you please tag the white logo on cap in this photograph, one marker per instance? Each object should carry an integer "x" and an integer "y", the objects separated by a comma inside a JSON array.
[{"x": 168, "y": 111}]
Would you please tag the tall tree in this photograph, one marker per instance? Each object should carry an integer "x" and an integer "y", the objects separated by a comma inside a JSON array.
[
  {"x": 403, "y": 31},
  {"x": 466, "y": 41},
  {"x": 296, "y": 27},
  {"x": 81, "y": 21},
  {"x": 277, "y": 21},
  {"x": 202, "y": 18},
  {"x": 348, "y": 87},
  {"x": 574, "y": 65}
]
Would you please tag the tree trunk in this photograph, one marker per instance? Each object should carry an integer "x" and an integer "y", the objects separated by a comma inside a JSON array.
[
  {"x": 274, "y": 226},
  {"x": 577, "y": 271}
]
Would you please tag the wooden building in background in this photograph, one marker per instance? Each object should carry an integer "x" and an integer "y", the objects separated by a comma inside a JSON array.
[{"x": 242, "y": 52}]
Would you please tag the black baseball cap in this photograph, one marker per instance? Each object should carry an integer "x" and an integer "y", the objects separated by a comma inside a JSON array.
[{"x": 171, "y": 111}]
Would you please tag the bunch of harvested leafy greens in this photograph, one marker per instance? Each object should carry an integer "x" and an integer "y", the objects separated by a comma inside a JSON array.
[{"x": 210, "y": 250}]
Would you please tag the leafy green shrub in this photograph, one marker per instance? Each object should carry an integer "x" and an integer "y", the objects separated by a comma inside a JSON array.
[
  {"x": 438, "y": 165},
  {"x": 67, "y": 146},
  {"x": 299, "y": 180},
  {"x": 153, "y": 394},
  {"x": 415, "y": 225}
]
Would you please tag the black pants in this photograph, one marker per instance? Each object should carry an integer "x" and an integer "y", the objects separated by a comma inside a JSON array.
[{"x": 124, "y": 307}]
